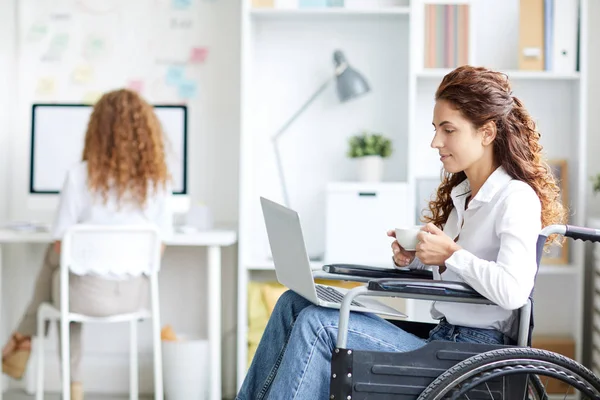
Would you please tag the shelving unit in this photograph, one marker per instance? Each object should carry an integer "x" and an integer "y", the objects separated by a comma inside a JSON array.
[
  {"x": 328, "y": 12},
  {"x": 286, "y": 55},
  {"x": 512, "y": 74}
]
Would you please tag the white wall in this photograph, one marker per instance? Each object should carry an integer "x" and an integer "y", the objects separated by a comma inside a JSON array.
[
  {"x": 7, "y": 85},
  {"x": 212, "y": 178},
  {"x": 593, "y": 103}
]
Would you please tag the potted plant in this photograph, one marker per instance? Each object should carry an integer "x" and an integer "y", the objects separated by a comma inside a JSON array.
[
  {"x": 594, "y": 221},
  {"x": 596, "y": 183},
  {"x": 369, "y": 148}
]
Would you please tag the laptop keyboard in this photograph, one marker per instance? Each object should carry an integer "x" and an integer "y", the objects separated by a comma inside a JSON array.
[{"x": 331, "y": 295}]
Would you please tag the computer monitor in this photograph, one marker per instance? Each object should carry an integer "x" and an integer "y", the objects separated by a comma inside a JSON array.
[{"x": 57, "y": 141}]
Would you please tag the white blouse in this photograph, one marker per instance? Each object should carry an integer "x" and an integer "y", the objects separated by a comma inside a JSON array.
[
  {"x": 79, "y": 205},
  {"x": 498, "y": 234}
]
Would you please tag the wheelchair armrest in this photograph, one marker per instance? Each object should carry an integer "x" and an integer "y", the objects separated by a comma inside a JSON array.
[
  {"x": 318, "y": 274},
  {"x": 365, "y": 273},
  {"x": 429, "y": 290}
]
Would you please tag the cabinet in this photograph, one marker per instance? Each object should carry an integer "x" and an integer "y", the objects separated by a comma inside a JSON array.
[{"x": 357, "y": 217}]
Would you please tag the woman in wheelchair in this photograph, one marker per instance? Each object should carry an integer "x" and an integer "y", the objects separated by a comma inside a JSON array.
[{"x": 496, "y": 195}]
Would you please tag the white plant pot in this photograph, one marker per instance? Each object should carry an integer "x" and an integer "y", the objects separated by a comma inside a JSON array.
[{"x": 370, "y": 168}]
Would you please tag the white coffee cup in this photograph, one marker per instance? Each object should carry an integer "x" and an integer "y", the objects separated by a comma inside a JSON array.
[{"x": 407, "y": 237}]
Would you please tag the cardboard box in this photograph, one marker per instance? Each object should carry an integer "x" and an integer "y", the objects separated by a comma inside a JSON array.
[
  {"x": 263, "y": 3},
  {"x": 557, "y": 344}
]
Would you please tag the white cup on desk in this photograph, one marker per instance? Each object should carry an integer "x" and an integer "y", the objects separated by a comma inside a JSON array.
[{"x": 407, "y": 237}]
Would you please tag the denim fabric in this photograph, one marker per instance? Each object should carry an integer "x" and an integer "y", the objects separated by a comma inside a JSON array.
[
  {"x": 452, "y": 333},
  {"x": 293, "y": 359}
]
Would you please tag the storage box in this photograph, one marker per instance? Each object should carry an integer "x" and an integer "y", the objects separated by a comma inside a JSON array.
[
  {"x": 557, "y": 344},
  {"x": 358, "y": 215},
  {"x": 263, "y": 3},
  {"x": 374, "y": 3},
  {"x": 312, "y": 3}
]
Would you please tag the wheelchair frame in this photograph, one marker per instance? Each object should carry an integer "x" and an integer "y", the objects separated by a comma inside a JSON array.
[{"x": 374, "y": 375}]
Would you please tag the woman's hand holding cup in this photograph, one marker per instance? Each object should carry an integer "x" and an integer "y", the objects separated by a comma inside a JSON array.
[{"x": 400, "y": 256}]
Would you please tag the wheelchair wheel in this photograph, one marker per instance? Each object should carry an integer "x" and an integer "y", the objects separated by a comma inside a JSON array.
[{"x": 469, "y": 379}]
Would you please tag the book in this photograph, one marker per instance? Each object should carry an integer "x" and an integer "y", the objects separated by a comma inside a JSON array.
[
  {"x": 531, "y": 35},
  {"x": 446, "y": 35}
]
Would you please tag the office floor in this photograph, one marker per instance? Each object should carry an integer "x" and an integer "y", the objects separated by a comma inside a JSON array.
[{"x": 20, "y": 395}]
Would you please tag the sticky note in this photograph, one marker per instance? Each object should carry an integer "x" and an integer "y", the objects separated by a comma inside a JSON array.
[
  {"x": 37, "y": 32},
  {"x": 187, "y": 89},
  {"x": 57, "y": 46},
  {"x": 45, "y": 86},
  {"x": 94, "y": 47},
  {"x": 174, "y": 75},
  {"x": 181, "y": 4},
  {"x": 198, "y": 55},
  {"x": 91, "y": 97},
  {"x": 82, "y": 74},
  {"x": 59, "y": 42},
  {"x": 136, "y": 85}
]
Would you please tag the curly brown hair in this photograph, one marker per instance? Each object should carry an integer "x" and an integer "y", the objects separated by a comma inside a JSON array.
[
  {"x": 124, "y": 148},
  {"x": 481, "y": 96}
]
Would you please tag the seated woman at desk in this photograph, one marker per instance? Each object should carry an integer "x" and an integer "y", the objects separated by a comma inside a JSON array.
[{"x": 122, "y": 179}]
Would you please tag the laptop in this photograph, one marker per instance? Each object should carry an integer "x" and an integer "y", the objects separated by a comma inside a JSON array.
[{"x": 292, "y": 265}]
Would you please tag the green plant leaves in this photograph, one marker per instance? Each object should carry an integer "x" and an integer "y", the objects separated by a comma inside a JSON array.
[{"x": 369, "y": 144}]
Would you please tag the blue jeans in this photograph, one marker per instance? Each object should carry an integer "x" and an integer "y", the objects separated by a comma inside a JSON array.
[{"x": 293, "y": 359}]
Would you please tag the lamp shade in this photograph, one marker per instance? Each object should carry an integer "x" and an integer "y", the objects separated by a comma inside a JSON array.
[{"x": 350, "y": 83}]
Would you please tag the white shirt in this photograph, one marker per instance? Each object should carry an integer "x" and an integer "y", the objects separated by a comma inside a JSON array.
[
  {"x": 498, "y": 234},
  {"x": 79, "y": 205}
]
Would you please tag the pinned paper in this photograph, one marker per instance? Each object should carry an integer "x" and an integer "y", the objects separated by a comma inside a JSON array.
[
  {"x": 58, "y": 45},
  {"x": 95, "y": 47},
  {"x": 136, "y": 85},
  {"x": 91, "y": 97},
  {"x": 181, "y": 4},
  {"x": 82, "y": 74},
  {"x": 45, "y": 86},
  {"x": 59, "y": 42},
  {"x": 187, "y": 90},
  {"x": 181, "y": 23},
  {"x": 174, "y": 75},
  {"x": 37, "y": 32},
  {"x": 198, "y": 55}
]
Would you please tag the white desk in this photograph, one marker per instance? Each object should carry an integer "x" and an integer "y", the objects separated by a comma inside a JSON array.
[{"x": 214, "y": 240}]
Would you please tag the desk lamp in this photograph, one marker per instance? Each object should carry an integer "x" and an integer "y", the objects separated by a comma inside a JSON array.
[{"x": 350, "y": 84}]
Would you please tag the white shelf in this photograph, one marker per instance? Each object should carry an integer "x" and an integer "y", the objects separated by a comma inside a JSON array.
[
  {"x": 260, "y": 266},
  {"x": 267, "y": 265},
  {"x": 448, "y": 1},
  {"x": 512, "y": 74},
  {"x": 333, "y": 11},
  {"x": 567, "y": 269}
]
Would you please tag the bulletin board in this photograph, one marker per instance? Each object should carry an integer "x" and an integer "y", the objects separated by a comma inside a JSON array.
[{"x": 74, "y": 50}]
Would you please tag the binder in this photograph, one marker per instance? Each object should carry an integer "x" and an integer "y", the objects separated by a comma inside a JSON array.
[
  {"x": 531, "y": 34},
  {"x": 564, "y": 47},
  {"x": 548, "y": 33}
]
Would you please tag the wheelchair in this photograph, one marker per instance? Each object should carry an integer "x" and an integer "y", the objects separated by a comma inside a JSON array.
[{"x": 449, "y": 370}]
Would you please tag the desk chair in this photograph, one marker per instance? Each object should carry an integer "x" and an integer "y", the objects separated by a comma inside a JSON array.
[{"x": 103, "y": 250}]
